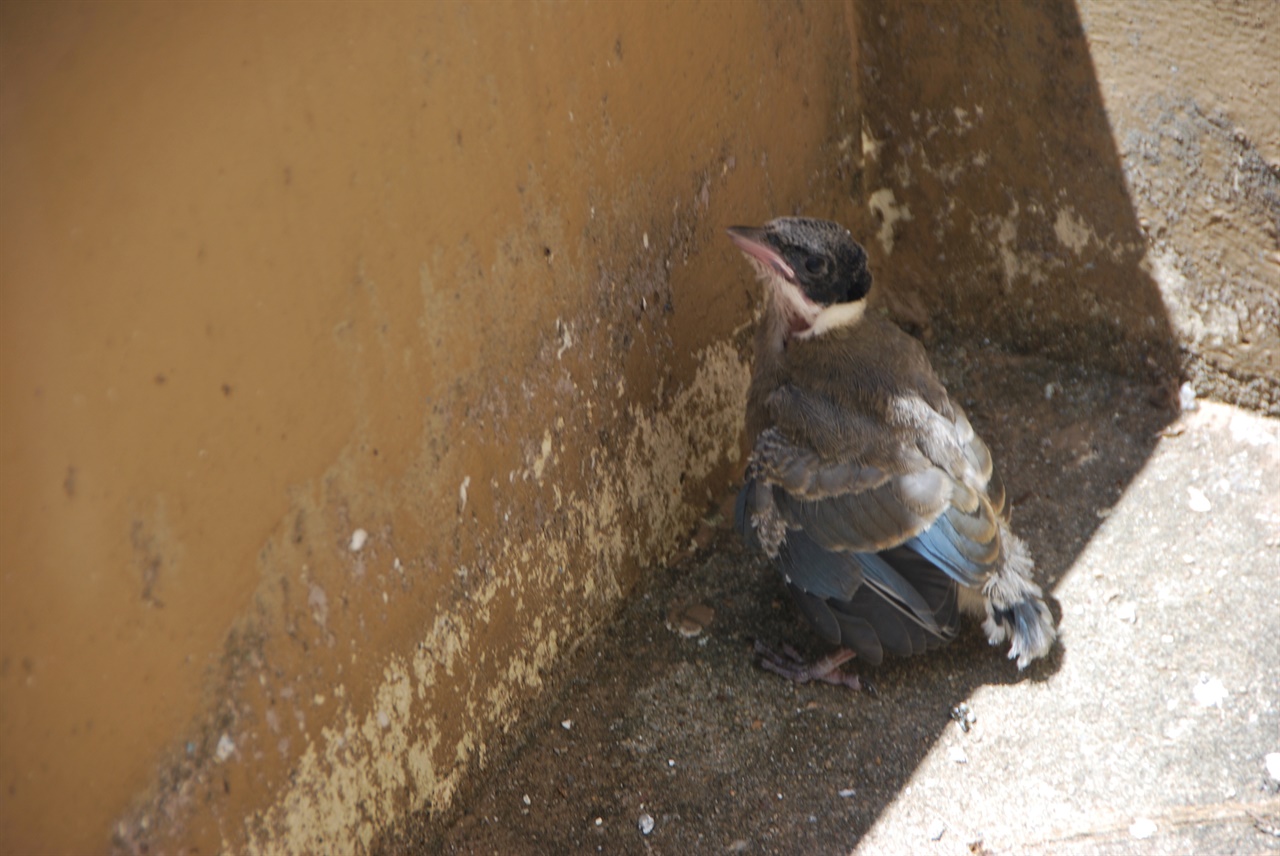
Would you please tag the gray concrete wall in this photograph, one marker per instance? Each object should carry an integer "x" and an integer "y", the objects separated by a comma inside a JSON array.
[
  {"x": 1191, "y": 92},
  {"x": 1100, "y": 183}
]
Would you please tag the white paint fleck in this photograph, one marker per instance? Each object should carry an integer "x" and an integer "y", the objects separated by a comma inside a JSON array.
[
  {"x": 358, "y": 539},
  {"x": 1272, "y": 762},
  {"x": 1072, "y": 231},
  {"x": 566, "y": 340},
  {"x": 1209, "y": 692},
  {"x": 870, "y": 146},
  {"x": 1187, "y": 396},
  {"x": 1142, "y": 827},
  {"x": 544, "y": 455},
  {"x": 1199, "y": 502},
  {"x": 885, "y": 205},
  {"x": 319, "y": 603}
]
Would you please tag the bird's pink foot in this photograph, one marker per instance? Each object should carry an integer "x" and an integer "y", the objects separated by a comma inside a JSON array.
[{"x": 790, "y": 665}]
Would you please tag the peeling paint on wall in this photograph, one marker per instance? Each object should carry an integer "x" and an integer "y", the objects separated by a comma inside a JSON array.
[
  {"x": 1067, "y": 184},
  {"x": 886, "y": 208},
  {"x": 370, "y": 362},
  {"x": 391, "y": 753}
]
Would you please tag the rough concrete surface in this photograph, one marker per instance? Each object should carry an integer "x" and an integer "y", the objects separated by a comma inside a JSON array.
[
  {"x": 1095, "y": 168},
  {"x": 1145, "y": 732},
  {"x": 357, "y": 362}
]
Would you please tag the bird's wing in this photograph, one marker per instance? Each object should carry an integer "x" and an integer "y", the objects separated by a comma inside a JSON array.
[
  {"x": 895, "y": 602},
  {"x": 917, "y": 478}
]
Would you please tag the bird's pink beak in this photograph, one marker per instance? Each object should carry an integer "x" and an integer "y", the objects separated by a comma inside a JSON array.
[{"x": 754, "y": 243}]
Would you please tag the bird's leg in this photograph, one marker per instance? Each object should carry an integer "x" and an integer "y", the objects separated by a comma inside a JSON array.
[{"x": 790, "y": 665}]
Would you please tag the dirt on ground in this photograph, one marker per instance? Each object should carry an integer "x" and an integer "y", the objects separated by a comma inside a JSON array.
[{"x": 663, "y": 735}]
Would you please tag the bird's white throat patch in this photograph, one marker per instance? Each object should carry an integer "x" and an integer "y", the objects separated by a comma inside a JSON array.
[
  {"x": 804, "y": 318},
  {"x": 833, "y": 317},
  {"x": 799, "y": 311}
]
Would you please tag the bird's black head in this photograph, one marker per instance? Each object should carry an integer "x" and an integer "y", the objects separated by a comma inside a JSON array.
[{"x": 819, "y": 257}]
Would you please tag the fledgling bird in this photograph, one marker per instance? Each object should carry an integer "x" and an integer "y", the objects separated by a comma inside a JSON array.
[{"x": 866, "y": 485}]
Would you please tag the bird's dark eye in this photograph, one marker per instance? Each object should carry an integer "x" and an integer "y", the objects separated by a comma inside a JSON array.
[{"x": 815, "y": 264}]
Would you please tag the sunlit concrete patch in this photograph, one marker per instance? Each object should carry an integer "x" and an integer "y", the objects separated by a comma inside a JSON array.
[{"x": 1164, "y": 707}]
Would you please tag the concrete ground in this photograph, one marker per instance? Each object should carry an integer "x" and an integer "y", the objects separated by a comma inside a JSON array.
[{"x": 1146, "y": 731}]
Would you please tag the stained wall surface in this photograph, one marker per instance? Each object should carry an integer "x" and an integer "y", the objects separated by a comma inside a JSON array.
[
  {"x": 357, "y": 360},
  {"x": 1093, "y": 181},
  {"x": 1191, "y": 92}
]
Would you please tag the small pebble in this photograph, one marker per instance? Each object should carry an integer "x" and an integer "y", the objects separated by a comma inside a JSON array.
[
  {"x": 525, "y": 799},
  {"x": 599, "y": 821},
  {"x": 646, "y": 824},
  {"x": 358, "y": 538},
  {"x": 936, "y": 829},
  {"x": 1187, "y": 396},
  {"x": 690, "y": 620},
  {"x": 1210, "y": 692},
  {"x": 1127, "y": 612},
  {"x": 845, "y": 793},
  {"x": 957, "y": 755},
  {"x": 1199, "y": 502},
  {"x": 566, "y": 724},
  {"x": 1142, "y": 827},
  {"x": 1273, "y": 766},
  {"x": 961, "y": 713}
]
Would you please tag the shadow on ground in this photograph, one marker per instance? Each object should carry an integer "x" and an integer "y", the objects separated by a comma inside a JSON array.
[
  {"x": 1156, "y": 533},
  {"x": 688, "y": 731}
]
